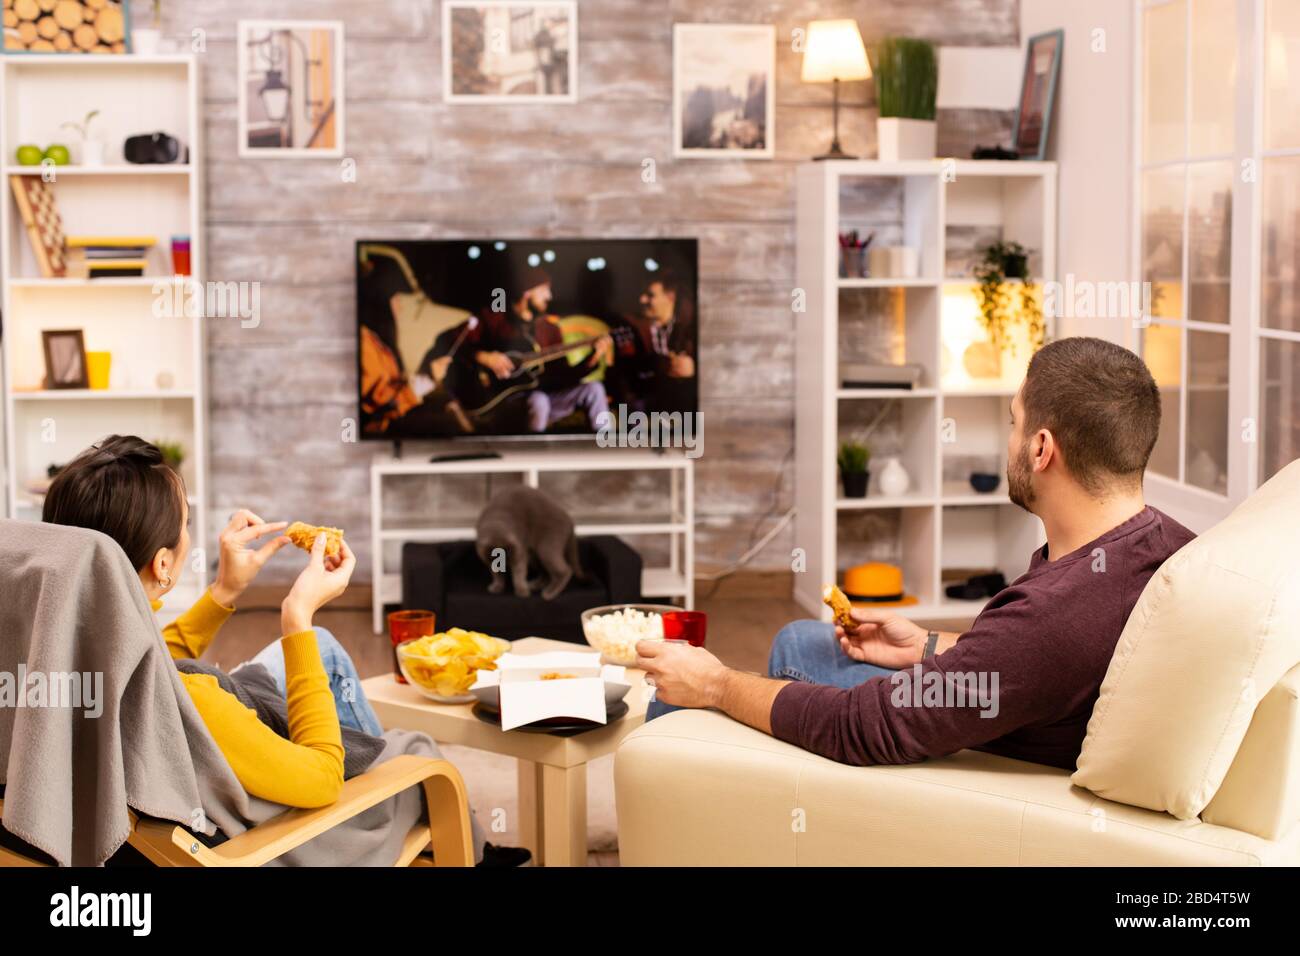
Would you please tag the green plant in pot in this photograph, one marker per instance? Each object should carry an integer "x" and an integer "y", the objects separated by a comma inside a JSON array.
[
  {"x": 173, "y": 453},
  {"x": 853, "y": 460},
  {"x": 1006, "y": 296},
  {"x": 907, "y": 81}
]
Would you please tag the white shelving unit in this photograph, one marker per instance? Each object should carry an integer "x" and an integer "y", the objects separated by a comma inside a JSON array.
[
  {"x": 939, "y": 207},
  {"x": 134, "y": 94},
  {"x": 677, "y": 522}
]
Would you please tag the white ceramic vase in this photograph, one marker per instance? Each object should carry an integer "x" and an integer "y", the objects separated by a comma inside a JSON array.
[
  {"x": 894, "y": 479},
  {"x": 92, "y": 152}
]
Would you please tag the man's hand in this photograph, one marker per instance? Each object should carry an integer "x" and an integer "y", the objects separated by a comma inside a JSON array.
[
  {"x": 498, "y": 363},
  {"x": 882, "y": 638},
  {"x": 239, "y": 562},
  {"x": 684, "y": 675},
  {"x": 681, "y": 365},
  {"x": 320, "y": 582},
  {"x": 602, "y": 350}
]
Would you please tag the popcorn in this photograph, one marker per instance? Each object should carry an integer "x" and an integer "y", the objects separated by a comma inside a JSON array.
[{"x": 615, "y": 634}]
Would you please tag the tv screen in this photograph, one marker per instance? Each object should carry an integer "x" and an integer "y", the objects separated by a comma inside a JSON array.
[{"x": 518, "y": 338}]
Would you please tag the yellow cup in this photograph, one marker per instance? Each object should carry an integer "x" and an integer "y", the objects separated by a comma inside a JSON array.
[{"x": 97, "y": 368}]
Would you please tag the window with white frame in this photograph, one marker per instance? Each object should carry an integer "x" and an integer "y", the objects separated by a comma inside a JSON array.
[{"x": 1218, "y": 210}]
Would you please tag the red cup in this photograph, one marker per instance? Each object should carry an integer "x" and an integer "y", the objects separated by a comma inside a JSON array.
[
  {"x": 406, "y": 626},
  {"x": 686, "y": 626}
]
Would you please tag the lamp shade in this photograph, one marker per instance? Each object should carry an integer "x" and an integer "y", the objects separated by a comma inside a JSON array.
[{"x": 834, "y": 51}]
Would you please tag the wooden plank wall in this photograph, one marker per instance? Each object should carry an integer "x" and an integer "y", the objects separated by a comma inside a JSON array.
[{"x": 281, "y": 392}]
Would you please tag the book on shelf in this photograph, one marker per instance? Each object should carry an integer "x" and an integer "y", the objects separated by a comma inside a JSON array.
[{"x": 98, "y": 257}]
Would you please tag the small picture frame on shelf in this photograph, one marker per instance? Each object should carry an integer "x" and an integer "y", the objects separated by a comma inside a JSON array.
[
  {"x": 1037, "y": 91},
  {"x": 65, "y": 358}
]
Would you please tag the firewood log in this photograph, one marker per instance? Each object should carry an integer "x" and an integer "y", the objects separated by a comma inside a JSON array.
[
  {"x": 67, "y": 13},
  {"x": 109, "y": 25}
]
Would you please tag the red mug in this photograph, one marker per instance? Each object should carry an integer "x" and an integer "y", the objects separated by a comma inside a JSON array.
[
  {"x": 406, "y": 626},
  {"x": 688, "y": 626}
]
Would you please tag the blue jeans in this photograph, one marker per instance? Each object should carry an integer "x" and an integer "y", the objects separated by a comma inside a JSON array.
[
  {"x": 805, "y": 651},
  {"x": 345, "y": 684}
]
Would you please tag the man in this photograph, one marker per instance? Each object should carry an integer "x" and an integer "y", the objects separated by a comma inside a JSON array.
[
  {"x": 526, "y": 326},
  {"x": 1084, "y": 422},
  {"x": 655, "y": 371}
]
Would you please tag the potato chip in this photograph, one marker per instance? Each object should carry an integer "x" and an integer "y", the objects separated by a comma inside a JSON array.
[{"x": 448, "y": 663}]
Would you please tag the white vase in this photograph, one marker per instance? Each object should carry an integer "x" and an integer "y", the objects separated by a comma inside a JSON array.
[
  {"x": 905, "y": 138},
  {"x": 894, "y": 479},
  {"x": 92, "y": 152},
  {"x": 145, "y": 40}
]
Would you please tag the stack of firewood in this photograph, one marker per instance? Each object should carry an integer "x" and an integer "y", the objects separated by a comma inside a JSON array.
[{"x": 65, "y": 26}]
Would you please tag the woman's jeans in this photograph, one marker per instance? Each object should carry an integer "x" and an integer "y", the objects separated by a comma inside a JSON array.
[
  {"x": 345, "y": 684},
  {"x": 806, "y": 651}
]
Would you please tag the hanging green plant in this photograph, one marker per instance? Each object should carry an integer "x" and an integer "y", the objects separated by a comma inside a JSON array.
[{"x": 1002, "y": 301}]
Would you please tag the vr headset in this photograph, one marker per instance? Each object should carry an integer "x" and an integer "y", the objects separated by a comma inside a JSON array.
[{"x": 154, "y": 149}]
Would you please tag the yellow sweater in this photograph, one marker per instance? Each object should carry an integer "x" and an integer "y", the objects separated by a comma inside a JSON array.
[{"x": 304, "y": 771}]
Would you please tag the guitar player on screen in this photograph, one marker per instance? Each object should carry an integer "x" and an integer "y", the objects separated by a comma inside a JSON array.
[{"x": 553, "y": 389}]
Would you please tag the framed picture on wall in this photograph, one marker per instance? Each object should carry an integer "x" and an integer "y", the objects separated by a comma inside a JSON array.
[
  {"x": 517, "y": 51},
  {"x": 1037, "y": 90},
  {"x": 65, "y": 358},
  {"x": 724, "y": 78},
  {"x": 290, "y": 88}
]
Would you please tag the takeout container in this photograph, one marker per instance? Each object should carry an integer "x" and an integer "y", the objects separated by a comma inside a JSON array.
[{"x": 523, "y": 697}]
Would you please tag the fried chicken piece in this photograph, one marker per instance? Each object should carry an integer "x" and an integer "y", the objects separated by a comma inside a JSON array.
[
  {"x": 304, "y": 536},
  {"x": 836, "y": 600}
]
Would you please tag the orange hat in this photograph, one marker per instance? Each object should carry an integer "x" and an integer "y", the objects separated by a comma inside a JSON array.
[{"x": 874, "y": 581}]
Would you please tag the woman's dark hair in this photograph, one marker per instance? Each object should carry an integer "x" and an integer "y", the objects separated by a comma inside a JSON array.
[{"x": 122, "y": 487}]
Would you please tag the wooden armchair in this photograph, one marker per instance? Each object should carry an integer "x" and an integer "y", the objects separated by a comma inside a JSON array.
[{"x": 446, "y": 834}]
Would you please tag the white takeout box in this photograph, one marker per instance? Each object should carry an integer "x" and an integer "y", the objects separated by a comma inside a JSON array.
[{"x": 526, "y": 698}]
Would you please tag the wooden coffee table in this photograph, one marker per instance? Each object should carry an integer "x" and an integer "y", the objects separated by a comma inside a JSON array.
[{"x": 552, "y": 770}]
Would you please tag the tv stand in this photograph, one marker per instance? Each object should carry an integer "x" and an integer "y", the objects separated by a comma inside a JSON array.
[{"x": 676, "y": 519}]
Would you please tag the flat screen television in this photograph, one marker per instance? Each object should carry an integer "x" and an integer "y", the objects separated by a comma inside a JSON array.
[{"x": 523, "y": 338}]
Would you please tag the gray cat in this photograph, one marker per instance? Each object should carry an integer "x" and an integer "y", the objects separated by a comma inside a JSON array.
[{"x": 525, "y": 525}]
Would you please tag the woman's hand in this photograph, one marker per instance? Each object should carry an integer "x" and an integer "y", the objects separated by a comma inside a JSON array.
[
  {"x": 321, "y": 581},
  {"x": 883, "y": 638},
  {"x": 239, "y": 562}
]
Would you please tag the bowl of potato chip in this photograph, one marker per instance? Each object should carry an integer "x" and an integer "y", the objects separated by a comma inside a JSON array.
[{"x": 443, "y": 666}]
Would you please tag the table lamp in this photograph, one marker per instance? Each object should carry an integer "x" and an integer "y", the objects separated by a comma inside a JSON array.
[{"x": 835, "y": 52}]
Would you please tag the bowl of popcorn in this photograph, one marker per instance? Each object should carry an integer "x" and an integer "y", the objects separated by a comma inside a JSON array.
[{"x": 615, "y": 629}]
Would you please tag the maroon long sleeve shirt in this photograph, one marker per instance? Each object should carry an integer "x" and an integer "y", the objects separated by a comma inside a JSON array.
[{"x": 1030, "y": 667}]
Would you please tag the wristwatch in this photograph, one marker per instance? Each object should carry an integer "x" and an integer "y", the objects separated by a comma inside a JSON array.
[{"x": 931, "y": 642}]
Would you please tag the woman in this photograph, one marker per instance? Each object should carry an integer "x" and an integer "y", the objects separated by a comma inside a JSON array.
[{"x": 123, "y": 488}]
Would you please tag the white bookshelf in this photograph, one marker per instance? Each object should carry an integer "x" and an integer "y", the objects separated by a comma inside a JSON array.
[
  {"x": 942, "y": 208},
  {"x": 134, "y": 94},
  {"x": 676, "y": 521}
]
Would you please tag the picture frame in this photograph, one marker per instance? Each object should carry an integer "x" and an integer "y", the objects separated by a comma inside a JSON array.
[
  {"x": 708, "y": 57},
  {"x": 505, "y": 51},
  {"x": 65, "y": 358},
  {"x": 290, "y": 89},
  {"x": 1033, "y": 122}
]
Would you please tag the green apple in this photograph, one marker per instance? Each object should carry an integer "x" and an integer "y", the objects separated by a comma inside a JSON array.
[
  {"x": 58, "y": 154},
  {"x": 29, "y": 155}
]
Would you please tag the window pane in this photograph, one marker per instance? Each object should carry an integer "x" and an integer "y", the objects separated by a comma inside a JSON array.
[
  {"x": 1279, "y": 406},
  {"x": 1162, "y": 239},
  {"x": 1164, "y": 81},
  {"x": 1280, "y": 281},
  {"x": 1207, "y": 410},
  {"x": 1162, "y": 349},
  {"x": 1214, "y": 76},
  {"x": 1282, "y": 74},
  {"x": 1209, "y": 241}
]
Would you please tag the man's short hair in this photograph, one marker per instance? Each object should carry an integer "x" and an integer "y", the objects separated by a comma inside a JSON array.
[{"x": 1101, "y": 405}]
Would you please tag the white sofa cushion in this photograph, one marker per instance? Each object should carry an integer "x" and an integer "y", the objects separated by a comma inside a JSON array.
[{"x": 1214, "y": 630}]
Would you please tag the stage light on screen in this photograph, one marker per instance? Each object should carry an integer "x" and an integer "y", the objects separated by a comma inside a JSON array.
[
  {"x": 651, "y": 265},
  {"x": 534, "y": 259},
  {"x": 595, "y": 264},
  {"x": 549, "y": 255},
  {"x": 498, "y": 245},
  {"x": 474, "y": 252}
]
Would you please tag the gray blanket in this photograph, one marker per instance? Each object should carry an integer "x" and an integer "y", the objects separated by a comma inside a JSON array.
[{"x": 100, "y": 721}]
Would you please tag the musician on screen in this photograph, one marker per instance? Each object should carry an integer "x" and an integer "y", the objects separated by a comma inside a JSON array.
[
  {"x": 655, "y": 370},
  {"x": 525, "y": 326}
]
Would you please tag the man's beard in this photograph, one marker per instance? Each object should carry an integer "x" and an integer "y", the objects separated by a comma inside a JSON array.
[{"x": 1020, "y": 487}]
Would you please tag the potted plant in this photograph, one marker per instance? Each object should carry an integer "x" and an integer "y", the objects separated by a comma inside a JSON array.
[
  {"x": 907, "y": 80},
  {"x": 853, "y": 459},
  {"x": 146, "y": 40},
  {"x": 173, "y": 453},
  {"x": 92, "y": 150},
  {"x": 1005, "y": 294}
]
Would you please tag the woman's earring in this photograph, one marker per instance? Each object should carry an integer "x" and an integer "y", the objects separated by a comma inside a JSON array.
[{"x": 165, "y": 581}]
